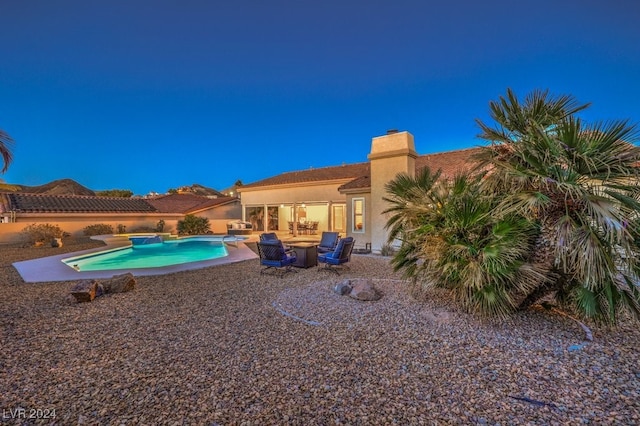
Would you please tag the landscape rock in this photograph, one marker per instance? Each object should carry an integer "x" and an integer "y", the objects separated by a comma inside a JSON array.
[
  {"x": 343, "y": 288},
  {"x": 99, "y": 290},
  {"x": 208, "y": 347},
  {"x": 119, "y": 283},
  {"x": 363, "y": 289},
  {"x": 85, "y": 290}
]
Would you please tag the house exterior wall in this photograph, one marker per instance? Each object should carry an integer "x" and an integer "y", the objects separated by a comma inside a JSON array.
[
  {"x": 390, "y": 154},
  {"x": 74, "y": 223},
  {"x": 221, "y": 215},
  {"x": 319, "y": 197},
  {"x": 287, "y": 194},
  {"x": 362, "y": 238}
]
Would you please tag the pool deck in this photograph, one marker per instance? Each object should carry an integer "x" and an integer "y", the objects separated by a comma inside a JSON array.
[{"x": 52, "y": 268}]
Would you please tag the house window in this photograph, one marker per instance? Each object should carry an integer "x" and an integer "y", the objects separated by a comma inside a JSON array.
[
  {"x": 338, "y": 217},
  {"x": 357, "y": 207},
  {"x": 255, "y": 215}
]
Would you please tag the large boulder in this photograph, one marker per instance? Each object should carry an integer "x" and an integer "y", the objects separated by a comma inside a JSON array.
[
  {"x": 119, "y": 283},
  {"x": 85, "y": 290},
  {"x": 343, "y": 287},
  {"x": 363, "y": 289}
]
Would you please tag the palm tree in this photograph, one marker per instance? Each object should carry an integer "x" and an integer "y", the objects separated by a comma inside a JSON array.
[
  {"x": 579, "y": 184},
  {"x": 5, "y": 143},
  {"x": 413, "y": 202},
  {"x": 450, "y": 239}
]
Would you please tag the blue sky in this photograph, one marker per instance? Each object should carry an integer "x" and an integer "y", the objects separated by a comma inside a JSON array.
[{"x": 149, "y": 95}]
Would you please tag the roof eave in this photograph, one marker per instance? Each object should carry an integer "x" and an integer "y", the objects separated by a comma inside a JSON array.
[
  {"x": 366, "y": 189},
  {"x": 201, "y": 209},
  {"x": 341, "y": 181}
]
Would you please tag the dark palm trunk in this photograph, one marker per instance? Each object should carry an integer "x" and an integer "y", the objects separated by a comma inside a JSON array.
[{"x": 543, "y": 256}]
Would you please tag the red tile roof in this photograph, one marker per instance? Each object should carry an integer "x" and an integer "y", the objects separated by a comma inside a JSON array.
[
  {"x": 23, "y": 202},
  {"x": 363, "y": 182},
  {"x": 450, "y": 163},
  {"x": 347, "y": 171},
  {"x": 186, "y": 203},
  {"x": 47, "y": 203}
]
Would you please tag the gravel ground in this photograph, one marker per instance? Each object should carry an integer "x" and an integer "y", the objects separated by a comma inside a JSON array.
[{"x": 225, "y": 345}]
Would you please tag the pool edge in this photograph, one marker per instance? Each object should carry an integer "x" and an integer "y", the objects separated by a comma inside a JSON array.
[{"x": 51, "y": 268}]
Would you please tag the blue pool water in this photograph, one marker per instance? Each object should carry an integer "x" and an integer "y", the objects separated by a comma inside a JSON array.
[{"x": 147, "y": 253}]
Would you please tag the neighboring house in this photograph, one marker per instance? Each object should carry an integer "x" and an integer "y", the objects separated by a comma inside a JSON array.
[
  {"x": 72, "y": 213},
  {"x": 347, "y": 198},
  {"x": 218, "y": 209}
]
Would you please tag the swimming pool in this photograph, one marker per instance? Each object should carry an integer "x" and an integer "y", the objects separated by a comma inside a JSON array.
[{"x": 151, "y": 252}]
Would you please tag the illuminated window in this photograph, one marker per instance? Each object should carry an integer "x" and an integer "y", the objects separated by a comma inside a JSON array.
[{"x": 357, "y": 207}]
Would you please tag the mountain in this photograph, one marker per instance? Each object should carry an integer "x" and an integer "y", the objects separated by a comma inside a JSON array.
[
  {"x": 198, "y": 189},
  {"x": 57, "y": 187},
  {"x": 71, "y": 187}
]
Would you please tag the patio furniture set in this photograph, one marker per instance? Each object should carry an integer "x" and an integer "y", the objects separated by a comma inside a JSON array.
[{"x": 332, "y": 252}]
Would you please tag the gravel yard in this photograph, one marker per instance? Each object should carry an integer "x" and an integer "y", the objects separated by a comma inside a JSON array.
[{"x": 225, "y": 345}]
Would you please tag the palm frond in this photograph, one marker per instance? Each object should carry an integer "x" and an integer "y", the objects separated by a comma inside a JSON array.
[{"x": 6, "y": 142}]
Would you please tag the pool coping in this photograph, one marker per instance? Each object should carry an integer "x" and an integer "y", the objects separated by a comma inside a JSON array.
[{"x": 52, "y": 268}]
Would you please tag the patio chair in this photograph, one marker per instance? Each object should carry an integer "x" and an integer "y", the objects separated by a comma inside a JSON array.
[
  {"x": 272, "y": 236},
  {"x": 339, "y": 257},
  {"x": 266, "y": 236},
  {"x": 273, "y": 255},
  {"x": 328, "y": 242}
]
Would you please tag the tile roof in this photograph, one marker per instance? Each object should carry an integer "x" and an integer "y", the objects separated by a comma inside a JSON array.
[
  {"x": 346, "y": 171},
  {"x": 24, "y": 202},
  {"x": 363, "y": 182},
  {"x": 450, "y": 163},
  {"x": 186, "y": 203},
  {"x": 47, "y": 203}
]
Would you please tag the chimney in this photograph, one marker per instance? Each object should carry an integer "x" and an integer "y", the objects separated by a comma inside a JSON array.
[{"x": 390, "y": 154}]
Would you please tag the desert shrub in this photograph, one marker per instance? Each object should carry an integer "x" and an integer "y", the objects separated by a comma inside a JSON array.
[
  {"x": 39, "y": 233},
  {"x": 98, "y": 229},
  {"x": 387, "y": 250},
  {"x": 193, "y": 225},
  {"x": 123, "y": 193}
]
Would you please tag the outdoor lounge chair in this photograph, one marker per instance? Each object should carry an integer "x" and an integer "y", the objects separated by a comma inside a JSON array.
[
  {"x": 273, "y": 255},
  {"x": 339, "y": 257},
  {"x": 328, "y": 242},
  {"x": 272, "y": 236},
  {"x": 266, "y": 236}
]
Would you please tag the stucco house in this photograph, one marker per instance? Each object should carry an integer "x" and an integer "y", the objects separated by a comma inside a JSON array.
[
  {"x": 346, "y": 198},
  {"x": 72, "y": 213}
]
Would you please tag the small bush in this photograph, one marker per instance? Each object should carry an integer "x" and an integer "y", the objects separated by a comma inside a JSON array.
[
  {"x": 387, "y": 250},
  {"x": 98, "y": 229},
  {"x": 121, "y": 228},
  {"x": 160, "y": 226},
  {"x": 193, "y": 225},
  {"x": 40, "y": 233}
]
